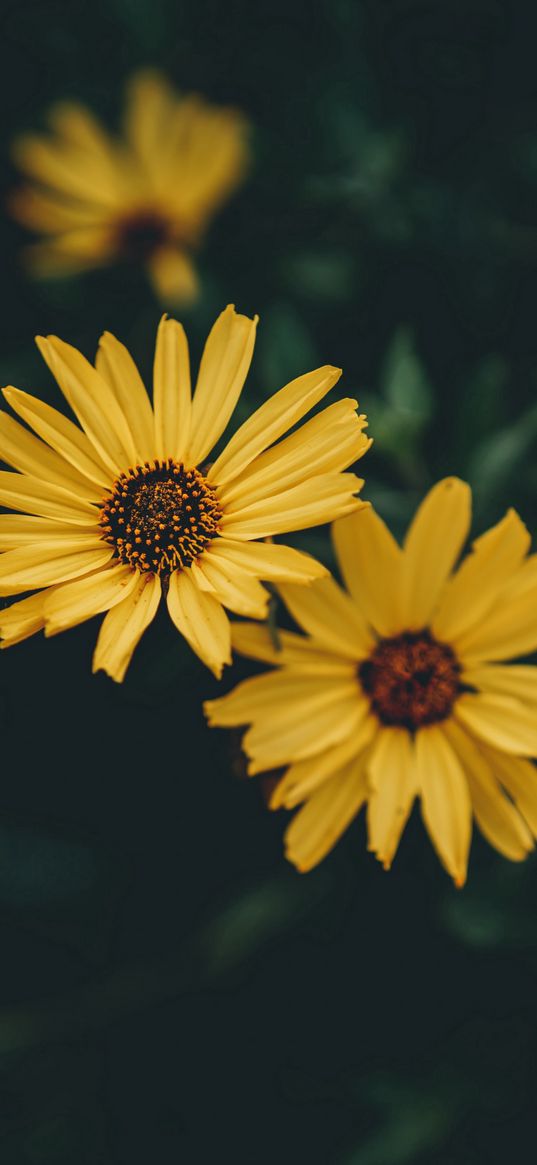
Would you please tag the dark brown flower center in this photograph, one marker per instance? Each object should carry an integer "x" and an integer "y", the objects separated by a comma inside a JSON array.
[
  {"x": 411, "y": 680},
  {"x": 141, "y": 234},
  {"x": 160, "y": 516}
]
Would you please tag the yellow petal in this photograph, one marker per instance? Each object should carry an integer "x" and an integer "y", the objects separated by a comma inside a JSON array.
[
  {"x": 28, "y": 454},
  {"x": 518, "y": 681},
  {"x": 93, "y": 402},
  {"x": 500, "y": 721},
  {"x": 371, "y": 565},
  {"x": 202, "y": 154},
  {"x": 269, "y": 561},
  {"x": 46, "y": 210},
  {"x": 284, "y": 738},
  {"x": 506, "y": 631},
  {"x": 432, "y": 546},
  {"x": 256, "y": 642},
  {"x": 304, "y": 777},
  {"x": 201, "y": 619},
  {"x": 233, "y": 587},
  {"x": 310, "y": 504},
  {"x": 325, "y": 612},
  {"x": 26, "y": 530},
  {"x": 71, "y": 252},
  {"x": 393, "y": 784},
  {"x": 331, "y": 440},
  {"x": 75, "y": 602},
  {"x": 171, "y": 391},
  {"x": 173, "y": 276},
  {"x": 22, "y": 619},
  {"x": 77, "y": 126},
  {"x": 281, "y": 698},
  {"x": 123, "y": 627},
  {"x": 497, "y": 817},
  {"x": 148, "y": 109},
  {"x": 317, "y": 827},
  {"x": 60, "y": 433},
  {"x": 519, "y": 777},
  {"x": 30, "y": 567},
  {"x": 275, "y": 417},
  {"x": 85, "y": 175},
  {"x": 445, "y": 800},
  {"x": 116, "y": 365},
  {"x": 475, "y": 587},
  {"x": 21, "y": 492},
  {"x": 223, "y": 370}
]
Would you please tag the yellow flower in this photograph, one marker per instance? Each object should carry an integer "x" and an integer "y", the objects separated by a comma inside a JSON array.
[
  {"x": 126, "y": 507},
  {"x": 400, "y": 689},
  {"x": 147, "y": 197}
]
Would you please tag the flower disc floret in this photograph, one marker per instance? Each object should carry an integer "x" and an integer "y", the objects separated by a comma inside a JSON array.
[
  {"x": 411, "y": 679},
  {"x": 160, "y": 516}
]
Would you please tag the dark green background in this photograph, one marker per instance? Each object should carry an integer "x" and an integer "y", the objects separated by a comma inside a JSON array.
[{"x": 171, "y": 990}]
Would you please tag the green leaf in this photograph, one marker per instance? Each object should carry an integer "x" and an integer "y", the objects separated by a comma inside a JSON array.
[{"x": 404, "y": 382}]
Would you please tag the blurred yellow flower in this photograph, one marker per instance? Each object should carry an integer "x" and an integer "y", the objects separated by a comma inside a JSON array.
[
  {"x": 147, "y": 197},
  {"x": 126, "y": 508},
  {"x": 400, "y": 689}
]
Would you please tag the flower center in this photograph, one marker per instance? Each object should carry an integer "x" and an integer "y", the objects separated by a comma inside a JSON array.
[
  {"x": 160, "y": 516},
  {"x": 411, "y": 679},
  {"x": 142, "y": 233}
]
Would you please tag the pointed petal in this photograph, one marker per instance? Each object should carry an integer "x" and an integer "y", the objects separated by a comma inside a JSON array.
[
  {"x": 269, "y": 561},
  {"x": 317, "y": 827},
  {"x": 65, "y": 437},
  {"x": 312, "y": 503},
  {"x": 326, "y": 613},
  {"x": 75, "y": 602},
  {"x": 123, "y": 627},
  {"x": 519, "y": 777},
  {"x": 233, "y": 587},
  {"x": 507, "y": 630},
  {"x": 432, "y": 546},
  {"x": 497, "y": 817},
  {"x": 31, "y": 567},
  {"x": 331, "y": 440},
  {"x": 28, "y": 454},
  {"x": 93, "y": 402},
  {"x": 445, "y": 800},
  {"x": 304, "y": 777},
  {"x": 499, "y": 721},
  {"x": 371, "y": 563},
  {"x": 275, "y": 417},
  {"x": 519, "y": 681},
  {"x": 285, "y": 738},
  {"x": 171, "y": 391},
  {"x": 19, "y": 491},
  {"x": 202, "y": 621},
  {"x": 26, "y": 530},
  {"x": 393, "y": 787},
  {"x": 116, "y": 365},
  {"x": 22, "y": 619},
  {"x": 287, "y": 649},
  {"x": 223, "y": 370},
  {"x": 475, "y": 587}
]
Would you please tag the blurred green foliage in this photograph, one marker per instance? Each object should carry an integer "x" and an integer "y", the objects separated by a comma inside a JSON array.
[{"x": 170, "y": 990}]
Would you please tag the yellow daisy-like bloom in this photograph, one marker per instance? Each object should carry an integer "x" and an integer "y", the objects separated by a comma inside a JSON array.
[
  {"x": 147, "y": 197},
  {"x": 126, "y": 508},
  {"x": 400, "y": 689}
]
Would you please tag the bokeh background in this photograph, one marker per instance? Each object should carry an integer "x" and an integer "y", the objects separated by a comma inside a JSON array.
[{"x": 170, "y": 989}]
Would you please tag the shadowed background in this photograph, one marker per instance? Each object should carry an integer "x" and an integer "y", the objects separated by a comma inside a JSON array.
[{"x": 170, "y": 989}]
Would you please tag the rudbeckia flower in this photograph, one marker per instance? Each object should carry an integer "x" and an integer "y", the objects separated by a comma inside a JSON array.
[
  {"x": 127, "y": 507},
  {"x": 400, "y": 689},
  {"x": 146, "y": 197}
]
